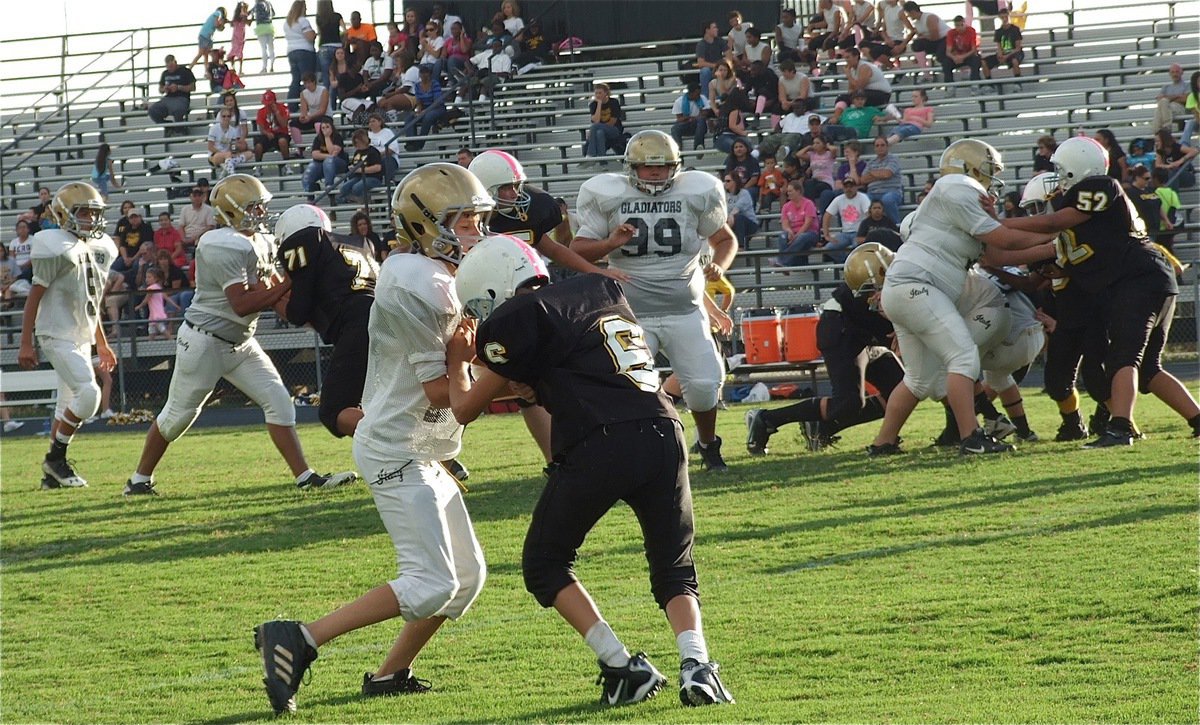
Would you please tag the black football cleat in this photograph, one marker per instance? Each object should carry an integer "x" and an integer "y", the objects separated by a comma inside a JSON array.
[
  {"x": 1071, "y": 431},
  {"x": 637, "y": 681},
  {"x": 1110, "y": 438},
  {"x": 700, "y": 685},
  {"x": 401, "y": 683},
  {"x": 139, "y": 489},
  {"x": 286, "y": 657},
  {"x": 980, "y": 443},
  {"x": 758, "y": 432},
  {"x": 710, "y": 455},
  {"x": 885, "y": 449}
]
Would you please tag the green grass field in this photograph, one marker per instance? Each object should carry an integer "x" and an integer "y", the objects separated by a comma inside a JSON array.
[{"x": 1053, "y": 584}]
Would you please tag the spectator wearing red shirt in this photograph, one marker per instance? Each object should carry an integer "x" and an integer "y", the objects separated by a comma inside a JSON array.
[
  {"x": 272, "y": 128},
  {"x": 167, "y": 236},
  {"x": 962, "y": 48}
]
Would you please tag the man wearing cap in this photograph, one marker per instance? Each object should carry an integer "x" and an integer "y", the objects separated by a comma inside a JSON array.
[
  {"x": 133, "y": 234},
  {"x": 273, "y": 128},
  {"x": 1008, "y": 49}
]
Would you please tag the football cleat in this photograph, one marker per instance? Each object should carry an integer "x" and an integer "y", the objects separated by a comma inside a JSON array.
[
  {"x": 638, "y": 680},
  {"x": 139, "y": 489},
  {"x": 700, "y": 685},
  {"x": 1028, "y": 437},
  {"x": 1000, "y": 428},
  {"x": 63, "y": 473},
  {"x": 1111, "y": 437},
  {"x": 979, "y": 443},
  {"x": 1099, "y": 419},
  {"x": 286, "y": 657},
  {"x": 758, "y": 432},
  {"x": 48, "y": 482},
  {"x": 400, "y": 683},
  {"x": 948, "y": 438},
  {"x": 711, "y": 456},
  {"x": 328, "y": 480},
  {"x": 1071, "y": 431},
  {"x": 886, "y": 449}
]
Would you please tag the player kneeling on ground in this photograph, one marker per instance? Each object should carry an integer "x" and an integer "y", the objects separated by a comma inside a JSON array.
[{"x": 577, "y": 347}]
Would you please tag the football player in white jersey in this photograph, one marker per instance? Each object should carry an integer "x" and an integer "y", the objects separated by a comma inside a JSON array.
[
  {"x": 407, "y": 428},
  {"x": 655, "y": 222},
  {"x": 70, "y": 265},
  {"x": 952, "y": 229},
  {"x": 236, "y": 280}
]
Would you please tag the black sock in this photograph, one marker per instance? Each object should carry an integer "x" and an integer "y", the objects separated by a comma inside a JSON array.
[
  {"x": 1072, "y": 417},
  {"x": 873, "y": 410},
  {"x": 807, "y": 409},
  {"x": 1022, "y": 424},
  {"x": 1194, "y": 422},
  {"x": 1121, "y": 425},
  {"x": 58, "y": 451},
  {"x": 984, "y": 407},
  {"x": 951, "y": 421}
]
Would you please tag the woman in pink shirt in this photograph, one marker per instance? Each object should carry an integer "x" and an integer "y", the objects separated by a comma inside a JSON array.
[
  {"x": 916, "y": 119},
  {"x": 800, "y": 230}
]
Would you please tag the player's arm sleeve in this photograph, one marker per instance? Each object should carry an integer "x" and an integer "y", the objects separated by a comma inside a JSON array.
[
  {"x": 224, "y": 265},
  {"x": 593, "y": 222},
  {"x": 423, "y": 331},
  {"x": 554, "y": 217},
  {"x": 47, "y": 267},
  {"x": 297, "y": 257},
  {"x": 711, "y": 211},
  {"x": 508, "y": 342}
]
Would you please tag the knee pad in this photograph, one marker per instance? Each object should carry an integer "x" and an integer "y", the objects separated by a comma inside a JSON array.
[
  {"x": 546, "y": 573},
  {"x": 701, "y": 395},
  {"x": 85, "y": 401},
  {"x": 174, "y": 422},
  {"x": 468, "y": 591},
  {"x": 965, "y": 362},
  {"x": 278, "y": 408}
]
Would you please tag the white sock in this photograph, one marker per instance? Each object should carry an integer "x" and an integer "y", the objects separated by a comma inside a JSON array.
[
  {"x": 307, "y": 472},
  {"x": 139, "y": 478},
  {"x": 605, "y": 644},
  {"x": 308, "y": 637},
  {"x": 691, "y": 644}
]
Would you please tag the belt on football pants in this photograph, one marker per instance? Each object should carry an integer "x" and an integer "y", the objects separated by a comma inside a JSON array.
[{"x": 210, "y": 334}]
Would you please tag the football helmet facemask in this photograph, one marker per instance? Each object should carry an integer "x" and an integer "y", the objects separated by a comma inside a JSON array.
[
  {"x": 240, "y": 201},
  {"x": 429, "y": 202},
  {"x": 493, "y": 272},
  {"x": 976, "y": 159},
  {"x": 79, "y": 208},
  {"x": 1038, "y": 191},
  {"x": 865, "y": 268},
  {"x": 494, "y": 169},
  {"x": 299, "y": 217},
  {"x": 652, "y": 148},
  {"x": 1078, "y": 158}
]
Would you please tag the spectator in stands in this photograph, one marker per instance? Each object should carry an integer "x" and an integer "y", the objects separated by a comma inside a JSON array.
[
  {"x": 764, "y": 84},
  {"x": 176, "y": 84},
  {"x": 464, "y": 156},
  {"x": 102, "y": 171},
  {"x": 167, "y": 238},
  {"x": 533, "y": 49},
  {"x": 8, "y": 277},
  {"x": 458, "y": 52},
  {"x": 328, "y": 158},
  {"x": 155, "y": 302},
  {"x": 264, "y": 30},
  {"x": 742, "y": 218},
  {"x": 825, "y": 27},
  {"x": 743, "y": 165},
  {"x": 1170, "y": 204},
  {"x": 736, "y": 38},
  {"x": 410, "y": 32},
  {"x": 876, "y": 226},
  {"x": 731, "y": 121},
  {"x": 798, "y": 217},
  {"x": 756, "y": 51},
  {"x": 196, "y": 219},
  {"x": 771, "y": 184},
  {"x": 358, "y": 38},
  {"x": 962, "y": 48},
  {"x": 865, "y": 78},
  {"x": 386, "y": 142},
  {"x": 821, "y": 160},
  {"x": 122, "y": 224},
  {"x": 216, "y": 71},
  {"x": 1118, "y": 167},
  {"x": 350, "y": 86},
  {"x": 432, "y": 109},
  {"x": 1046, "y": 146},
  {"x": 710, "y": 52},
  {"x": 237, "y": 43},
  {"x": 1172, "y": 99},
  {"x": 211, "y": 25},
  {"x": 365, "y": 171},
  {"x": 20, "y": 251},
  {"x": 928, "y": 35},
  {"x": 852, "y": 168},
  {"x": 848, "y": 210},
  {"x": 608, "y": 124},
  {"x": 792, "y": 128},
  {"x": 793, "y": 85},
  {"x": 689, "y": 110},
  {"x": 362, "y": 236},
  {"x": 273, "y": 127},
  {"x": 42, "y": 218},
  {"x": 378, "y": 71},
  {"x": 241, "y": 120},
  {"x": 860, "y": 16},
  {"x": 510, "y": 15},
  {"x": 788, "y": 36},
  {"x": 723, "y": 81},
  {"x": 1148, "y": 204},
  {"x": 174, "y": 280},
  {"x": 134, "y": 235},
  {"x": 1012, "y": 206},
  {"x": 916, "y": 118},
  {"x": 1008, "y": 51},
  {"x": 314, "y": 103},
  {"x": 883, "y": 179},
  {"x": 491, "y": 67},
  {"x": 433, "y": 47},
  {"x": 444, "y": 21},
  {"x": 330, "y": 27},
  {"x": 116, "y": 296},
  {"x": 1176, "y": 159},
  {"x": 859, "y": 117},
  {"x": 301, "y": 50},
  {"x": 893, "y": 31},
  {"x": 226, "y": 147},
  {"x": 1141, "y": 151}
]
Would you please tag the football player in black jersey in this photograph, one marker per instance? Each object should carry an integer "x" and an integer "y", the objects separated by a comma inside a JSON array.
[
  {"x": 333, "y": 286},
  {"x": 530, "y": 215},
  {"x": 1104, "y": 248},
  {"x": 854, "y": 339},
  {"x": 578, "y": 346}
]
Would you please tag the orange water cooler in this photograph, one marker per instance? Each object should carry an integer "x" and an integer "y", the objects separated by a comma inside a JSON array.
[
  {"x": 800, "y": 334},
  {"x": 762, "y": 335}
]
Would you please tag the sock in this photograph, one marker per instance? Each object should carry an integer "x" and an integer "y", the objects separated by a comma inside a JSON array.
[
  {"x": 1194, "y": 422},
  {"x": 139, "y": 478},
  {"x": 1124, "y": 425},
  {"x": 1022, "y": 424},
  {"x": 807, "y": 409},
  {"x": 984, "y": 407},
  {"x": 307, "y": 472},
  {"x": 1072, "y": 418},
  {"x": 1070, "y": 404},
  {"x": 605, "y": 644},
  {"x": 951, "y": 421},
  {"x": 691, "y": 644},
  {"x": 308, "y": 637},
  {"x": 58, "y": 448}
]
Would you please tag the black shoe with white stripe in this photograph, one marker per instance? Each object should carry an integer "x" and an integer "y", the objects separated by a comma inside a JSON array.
[
  {"x": 638, "y": 680},
  {"x": 700, "y": 685},
  {"x": 400, "y": 683},
  {"x": 286, "y": 657}
]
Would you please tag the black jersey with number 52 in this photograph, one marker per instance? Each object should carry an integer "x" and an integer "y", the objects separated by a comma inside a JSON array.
[
  {"x": 578, "y": 344},
  {"x": 332, "y": 284},
  {"x": 1112, "y": 244}
]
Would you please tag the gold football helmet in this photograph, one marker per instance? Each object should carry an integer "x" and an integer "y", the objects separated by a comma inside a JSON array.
[
  {"x": 430, "y": 200},
  {"x": 78, "y": 208},
  {"x": 240, "y": 201},
  {"x": 865, "y": 267},
  {"x": 652, "y": 148},
  {"x": 975, "y": 159}
]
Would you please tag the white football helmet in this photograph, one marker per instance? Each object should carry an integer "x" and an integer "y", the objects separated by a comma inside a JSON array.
[
  {"x": 1078, "y": 158},
  {"x": 301, "y": 216},
  {"x": 1035, "y": 198},
  {"x": 652, "y": 148},
  {"x": 494, "y": 169},
  {"x": 493, "y": 271}
]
